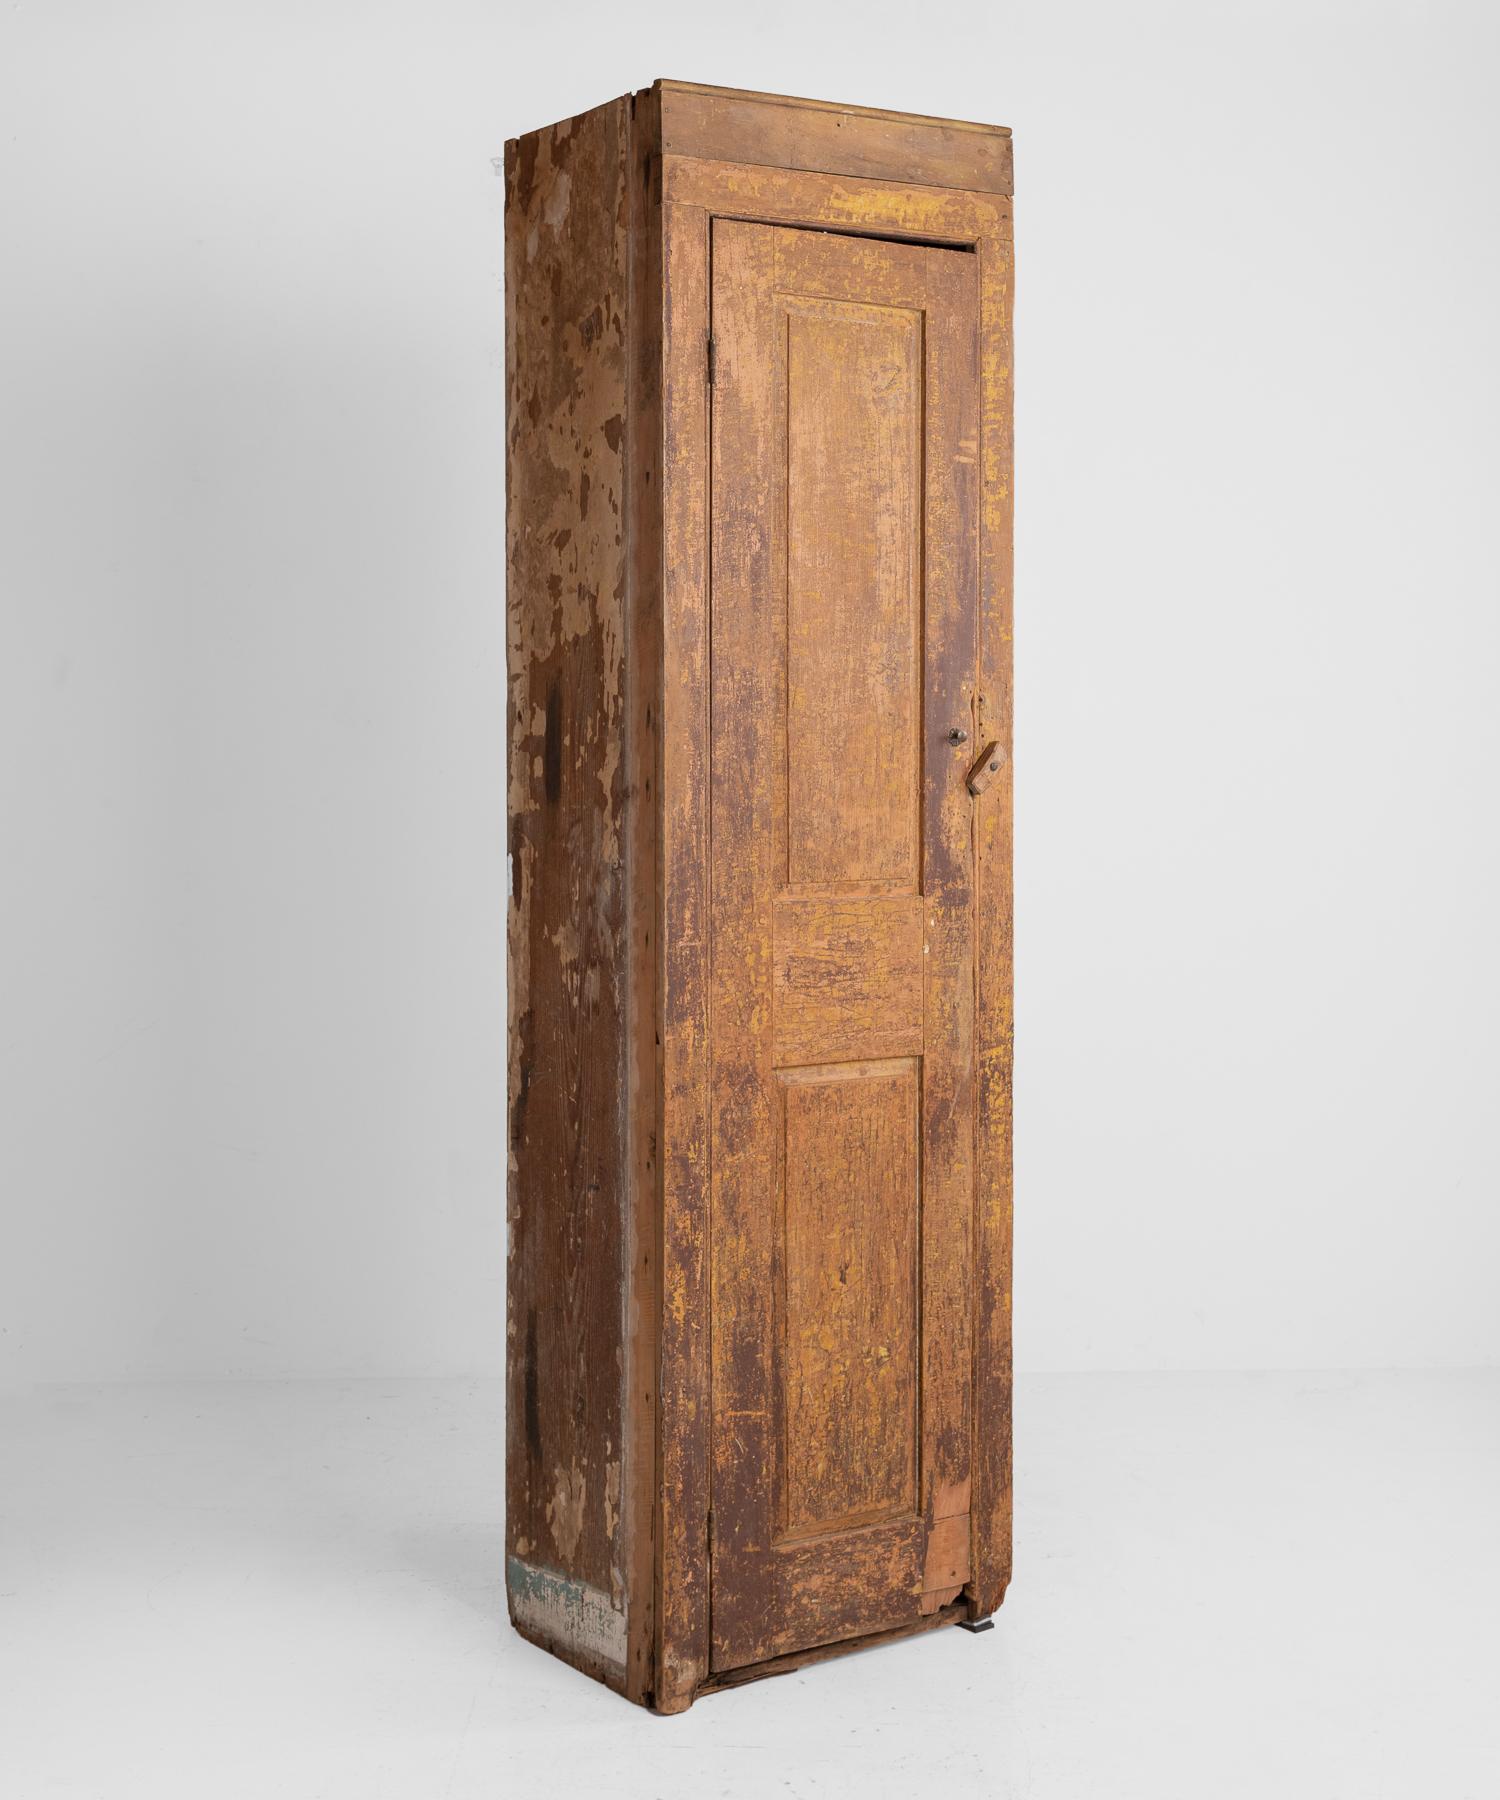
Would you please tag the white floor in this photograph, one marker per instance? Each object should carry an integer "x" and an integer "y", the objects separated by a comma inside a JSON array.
[{"x": 1255, "y": 1585}]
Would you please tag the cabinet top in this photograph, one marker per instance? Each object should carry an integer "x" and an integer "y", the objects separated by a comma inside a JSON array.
[
  {"x": 730, "y": 125},
  {"x": 664, "y": 86},
  {"x": 733, "y": 125}
]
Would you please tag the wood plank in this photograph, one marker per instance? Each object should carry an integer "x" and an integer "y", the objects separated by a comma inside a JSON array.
[
  {"x": 994, "y": 1025},
  {"x": 731, "y": 125},
  {"x": 801, "y": 1659},
  {"x": 841, "y": 107},
  {"x": 949, "y": 895},
  {"x": 682, "y": 970},
  {"x": 821, "y": 202},
  {"x": 642, "y": 758},
  {"x": 566, "y": 290},
  {"x": 947, "y": 1563},
  {"x": 747, "y": 764}
]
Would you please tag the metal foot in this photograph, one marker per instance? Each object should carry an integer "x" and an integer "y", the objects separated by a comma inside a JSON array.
[{"x": 976, "y": 1624}]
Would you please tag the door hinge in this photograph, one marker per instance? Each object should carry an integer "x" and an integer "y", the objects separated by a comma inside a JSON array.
[{"x": 712, "y": 359}]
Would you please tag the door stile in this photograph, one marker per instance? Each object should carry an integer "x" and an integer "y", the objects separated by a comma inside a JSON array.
[
  {"x": 994, "y": 970},
  {"x": 683, "y": 1383},
  {"x": 951, "y": 641}
]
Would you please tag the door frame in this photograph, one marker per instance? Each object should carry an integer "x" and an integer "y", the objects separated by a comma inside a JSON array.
[{"x": 694, "y": 192}]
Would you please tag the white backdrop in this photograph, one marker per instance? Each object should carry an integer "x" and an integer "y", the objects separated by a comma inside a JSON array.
[{"x": 252, "y": 868}]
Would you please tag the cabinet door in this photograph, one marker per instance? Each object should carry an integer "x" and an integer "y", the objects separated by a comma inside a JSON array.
[{"x": 843, "y": 670}]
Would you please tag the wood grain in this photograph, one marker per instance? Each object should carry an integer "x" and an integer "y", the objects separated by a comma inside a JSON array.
[
  {"x": 995, "y": 1029},
  {"x": 791, "y": 197},
  {"x": 566, "y": 281},
  {"x": 683, "y": 1426},
  {"x": 642, "y": 764},
  {"x": 775, "y": 1591},
  {"x": 802, "y": 1659},
  {"x": 760, "y": 934},
  {"x": 731, "y": 125},
  {"x": 853, "y": 596},
  {"x": 844, "y": 1347},
  {"x": 846, "y": 980}
]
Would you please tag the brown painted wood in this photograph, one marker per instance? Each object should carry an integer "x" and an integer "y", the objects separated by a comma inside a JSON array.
[
  {"x": 566, "y": 281},
  {"x": 846, "y": 977},
  {"x": 730, "y": 125},
  {"x": 642, "y": 762},
  {"x": 987, "y": 766},
  {"x": 995, "y": 1027},
  {"x": 792, "y": 197},
  {"x": 802, "y": 1659},
  {"x": 683, "y": 1500},
  {"x": 845, "y": 1302},
  {"x": 875, "y": 995},
  {"x": 844, "y": 520}
]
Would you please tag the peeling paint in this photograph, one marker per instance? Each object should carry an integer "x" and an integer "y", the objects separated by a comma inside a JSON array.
[
  {"x": 565, "y": 1510},
  {"x": 566, "y": 596},
  {"x": 570, "y": 1615},
  {"x": 555, "y": 206}
]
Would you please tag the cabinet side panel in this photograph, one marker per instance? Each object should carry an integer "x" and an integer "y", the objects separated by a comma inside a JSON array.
[{"x": 566, "y": 243}]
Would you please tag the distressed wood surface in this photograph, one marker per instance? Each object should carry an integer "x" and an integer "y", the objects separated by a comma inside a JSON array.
[
  {"x": 853, "y": 428},
  {"x": 846, "y": 977},
  {"x": 930, "y": 1620},
  {"x": 844, "y": 1307},
  {"x": 845, "y": 452},
  {"x": 793, "y": 197},
  {"x": 566, "y": 373},
  {"x": 731, "y": 125},
  {"x": 987, "y": 765},
  {"x": 642, "y": 762},
  {"x": 683, "y": 1496},
  {"x": 883, "y": 1406},
  {"x": 995, "y": 964}
]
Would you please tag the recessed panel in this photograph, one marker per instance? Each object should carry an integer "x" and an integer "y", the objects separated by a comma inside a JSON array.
[
  {"x": 853, "y": 537},
  {"x": 847, "y": 1383}
]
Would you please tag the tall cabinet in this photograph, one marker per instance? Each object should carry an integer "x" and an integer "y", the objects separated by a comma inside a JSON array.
[{"x": 758, "y": 430}]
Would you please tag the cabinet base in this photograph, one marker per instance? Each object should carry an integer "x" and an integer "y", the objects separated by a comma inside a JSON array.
[{"x": 954, "y": 1614}]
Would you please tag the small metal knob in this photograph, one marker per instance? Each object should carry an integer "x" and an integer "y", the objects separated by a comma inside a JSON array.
[{"x": 958, "y": 735}]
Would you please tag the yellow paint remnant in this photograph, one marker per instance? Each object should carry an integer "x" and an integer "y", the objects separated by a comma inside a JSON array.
[{"x": 565, "y": 1511}]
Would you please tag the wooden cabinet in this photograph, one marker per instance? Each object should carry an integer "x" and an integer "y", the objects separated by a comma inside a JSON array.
[{"x": 759, "y": 504}]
